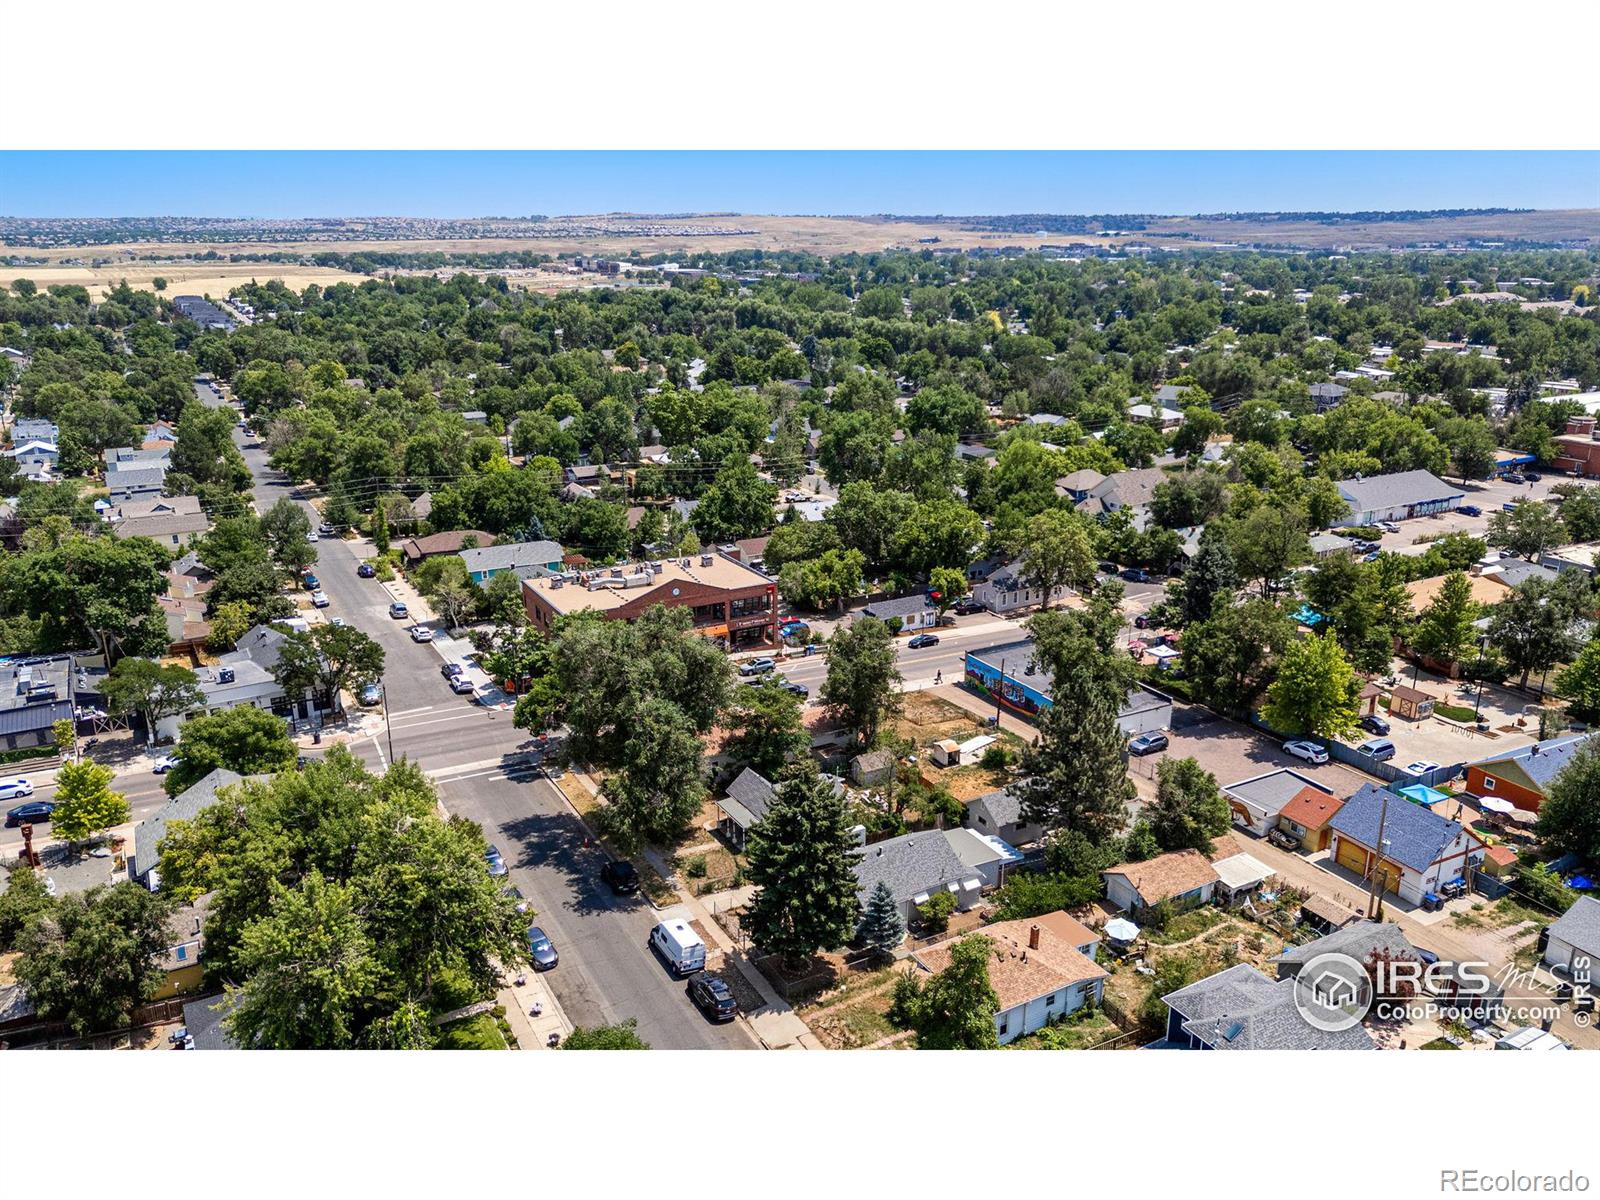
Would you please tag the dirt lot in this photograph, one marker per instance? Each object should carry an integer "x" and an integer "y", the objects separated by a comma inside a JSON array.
[
  {"x": 929, "y": 718},
  {"x": 195, "y": 278}
]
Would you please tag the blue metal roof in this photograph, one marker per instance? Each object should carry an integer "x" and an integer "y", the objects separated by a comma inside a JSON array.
[
  {"x": 1416, "y": 836},
  {"x": 1543, "y": 761}
]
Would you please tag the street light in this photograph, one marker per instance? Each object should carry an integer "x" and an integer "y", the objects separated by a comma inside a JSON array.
[{"x": 1483, "y": 646}]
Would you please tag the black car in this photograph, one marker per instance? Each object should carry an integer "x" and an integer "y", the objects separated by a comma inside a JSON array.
[
  {"x": 1532, "y": 476},
  {"x": 34, "y": 812},
  {"x": 1136, "y": 575},
  {"x": 450, "y": 670},
  {"x": 966, "y": 607},
  {"x": 621, "y": 877},
  {"x": 1373, "y": 723},
  {"x": 795, "y": 689},
  {"x": 923, "y": 639},
  {"x": 713, "y": 997}
]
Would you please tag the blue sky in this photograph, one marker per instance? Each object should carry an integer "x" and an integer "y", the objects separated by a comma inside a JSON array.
[{"x": 517, "y": 183}]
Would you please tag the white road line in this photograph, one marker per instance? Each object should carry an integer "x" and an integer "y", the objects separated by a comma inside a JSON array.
[
  {"x": 470, "y": 712},
  {"x": 379, "y": 749},
  {"x": 395, "y": 716}
]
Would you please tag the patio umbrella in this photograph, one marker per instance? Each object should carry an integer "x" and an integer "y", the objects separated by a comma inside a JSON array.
[
  {"x": 1496, "y": 805},
  {"x": 1121, "y": 930}
]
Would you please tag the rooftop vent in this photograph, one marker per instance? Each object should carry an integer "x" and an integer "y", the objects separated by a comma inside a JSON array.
[{"x": 706, "y": 560}]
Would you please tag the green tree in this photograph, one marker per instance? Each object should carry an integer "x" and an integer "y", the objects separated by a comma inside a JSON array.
[
  {"x": 1057, "y": 553},
  {"x": 90, "y": 959},
  {"x": 26, "y": 899},
  {"x": 1189, "y": 810},
  {"x": 883, "y": 927},
  {"x": 1569, "y": 818},
  {"x": 954, "y": 1010},
  {"x": 1267, "y": 542},
  {"x": 1579, "y": 681},
  {"x": 1472, "y": 446},
  {"x": 247, "y": 740},
  {"x": 65, "y": 736},
  {"x": 1528, "y": 530},
  {"x": 1315, "y": 691},
  {"x": 153, "y": 690},
  {"x": 1230, "y": 658},
  {"x": 862, "y": 686},
  {"x": 1445, "y": 629},
  {"x": 327, "y": 659},
  {"x": 622, "y": 1036},
  {"x": 950, "y": 585},
  {"x": 380, "y": 531},
  {"x": 285, "y": 527},
  {"x": 736, "y": 505},
  {"x": 309, "y": 966},
  {"x": 1531, "y": 628},
  {"x": 802, "y": 858},
  {"x": 85, "y": 803},
  {"x": 449, "y": 590},
  {"x": 769, "y": 725},
  {"x": 1211, "y": 577},
  {"x": 99, "y": 588},
  {"x": 660, "y": 782},
  {"x": 825, "y": 581},
  {"x": 230, "y": 621},
  {"x": 938, "y": 533}
]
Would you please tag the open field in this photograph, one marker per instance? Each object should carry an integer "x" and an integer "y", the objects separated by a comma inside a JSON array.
[
  {"x": 183, "y": 278},
  {"x": 1548, "y": 225}
]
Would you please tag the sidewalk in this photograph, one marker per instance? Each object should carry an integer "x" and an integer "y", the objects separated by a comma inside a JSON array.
[{"x": 533, "y": 1033}]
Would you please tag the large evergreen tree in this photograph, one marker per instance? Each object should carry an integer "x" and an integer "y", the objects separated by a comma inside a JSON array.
[
  {"x": 802, "y": 859},
  {"x": 1211, "y": 576},
  {"x": 882, "y": 925},
  {"x": 1189, "y": 810}
]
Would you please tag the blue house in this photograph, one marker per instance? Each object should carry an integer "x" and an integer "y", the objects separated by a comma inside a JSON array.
[{"x": 524, "y": 558}]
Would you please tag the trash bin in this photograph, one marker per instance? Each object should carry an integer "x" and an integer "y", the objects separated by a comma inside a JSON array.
[{"x": 1430, "y": 902}]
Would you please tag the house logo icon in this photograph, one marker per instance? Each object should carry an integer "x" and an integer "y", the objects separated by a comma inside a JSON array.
[{"x": 1333, "y": 992}]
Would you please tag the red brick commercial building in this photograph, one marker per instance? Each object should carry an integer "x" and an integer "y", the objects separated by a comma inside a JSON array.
[
  {"x": 1576, "y": 449},
  {"x": 731, "y": 603}
]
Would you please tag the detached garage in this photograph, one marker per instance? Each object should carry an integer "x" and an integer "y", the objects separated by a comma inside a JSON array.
[{"x": 1574, "y": 940}]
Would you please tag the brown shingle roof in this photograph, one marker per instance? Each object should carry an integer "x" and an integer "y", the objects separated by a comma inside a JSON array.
[
  {"x": 448, "y": 542},
  {"x": 1020, "y": 973},
  {"x": 1311, "y": 808},
  {"x": 1167, "y": 876}
]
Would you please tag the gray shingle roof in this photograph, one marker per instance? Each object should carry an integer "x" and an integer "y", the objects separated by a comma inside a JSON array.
[
  {"x": 1241, "y": 1009},
  {"x": 1004, "y": 805},
  {"x": 1396, "y": 491},
  {"x": 899, "y": 606},
  {"x": 203, "y": 1019},
  {"x": 1545, "y": 760},
  {"x": 1416, "y": 835},
  {"x": 911, "y": 864},
  {"x": 749, "y": 798},
  {"x": 185, "y": 806},
  {"x": 1579, "y": 926},
  {"x": 512, "y": 555},
  {"x": 1357, "y": 940}
]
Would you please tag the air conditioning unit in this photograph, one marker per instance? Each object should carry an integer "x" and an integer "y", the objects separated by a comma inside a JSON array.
[{"x": 225, "y": 675}]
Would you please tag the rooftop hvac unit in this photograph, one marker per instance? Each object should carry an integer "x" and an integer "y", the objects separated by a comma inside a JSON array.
[
  {"x": 225, "y": 675},
  {"x": 706, "y": 560}
]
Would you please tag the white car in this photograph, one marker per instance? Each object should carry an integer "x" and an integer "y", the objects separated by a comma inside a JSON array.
[
  {"x": 1421, "y": 767},
  {"x": 1309, "y": 751},
  {"x": 163, "y": 765},
  {"x": 10, "y": 789},
  {"x": 313, "y": 536},
  {"x": 421, "y": 633},
  {"x": 1388, "y": 527},
  {"x": 319, "y": 599}
]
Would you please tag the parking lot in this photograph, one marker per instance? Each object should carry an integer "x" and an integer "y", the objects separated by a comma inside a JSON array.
[{"x": 1487, "y": 495}]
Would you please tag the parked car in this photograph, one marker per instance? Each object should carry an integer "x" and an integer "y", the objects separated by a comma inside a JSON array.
[
  {"x": 372, "y": 694},
  {"x": 319, "y": 599},
  {"x": 367, "y": 571},
  {"x": 325, "y": 529},
  {"x": 462, "y": 686},
  {"x": 421, "y": 633},
  {"x": 923, "y": 639},
  {"x": 680, "y": 946},
  {"x": 1470, "y": 510},
  {"x": 757, "y": 666},
  {"x": 12, "y": 789},
  {"x": 1514, "y": 477},
  {"x": 312, "y": 582},
  {"x": 1283, "y": 839},
  {"x": 1388, "y": 527},
  {"x": 162, "y": 765},
  {"x": 313, "y": 536},
  {"x": 1136, "y": 575},
  {"x": 794, "y": 628},
  {"x": 1373, "y": 723},
  {"x": 35, "y": 812},
  {"x": 399, "y": 611},
  {"x": 1421, "y": 767},
  {"x": 1377, "y": 749},
  {"x": 713, "y": 997},
  {"x": 1371, "y": 556},
  {"x": 620, "y": 876},
  {"x": 516, "y": 895},
  {"x": 1309, "y": 751},
  {"x": 540, "y": 950},
  {"x": 966, "y": 607},
  {"x": 496, "y": 861},
  {"x": 1532, "y": 476},
  {"x": 1147, "y": 743},
  {"x": 450, "y": 670},
  {"x": 795, "y": 689}
]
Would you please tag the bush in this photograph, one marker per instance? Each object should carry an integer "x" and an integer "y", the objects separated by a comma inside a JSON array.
[
  {"x": 995, "y": 758},
  {"x": 936, "y": 912},
  {"x": 695, "y": 868}
]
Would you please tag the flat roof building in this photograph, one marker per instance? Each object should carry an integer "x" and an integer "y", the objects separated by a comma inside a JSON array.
[{"x": 730, "y": 602}]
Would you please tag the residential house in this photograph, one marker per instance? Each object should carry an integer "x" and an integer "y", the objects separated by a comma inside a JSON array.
[
  {"x": 40, "y": 692},
  {"x": 1324, "y": 545},
  {"x": 1132, "y": 489},
  {"x": 452, "y": 541},
  {"x": 188, "y": 631},
  {"x": 917, "y": 865},
  {"x": 1163, "y": 418},
  {"x": 1523, "y": 776},
  {"x": 1000, "y": 813},
  {"x": 524, "y": 558},
  {"x": 1306, "y": 816},
  {"x": 1398, "y": 497},
  {"x": 589, "y": 475},
  {"x": 174, "y": 521},
  {"x": 20, "y": 359},
  {"x": 1257, "y": 802},
  {"x": 913, "y": 612},
  {"x": 1242, "y": 1009},
  {"x": 36, "y": 458},
  {"x": 1573, "y": 943},
  {"x": 1041, "y": 969},
  {"x": 179, "y": 959},
  {"x": 749, "y": 796},
  {"x": 1365, "y": 941},
  {"x": 243, "y": 676},
  {"x": 1077, "y": 486},
  {"x": 1050, "y": 420},
  {"x": 1008, "y": 590},
  {"x": 1328, "y": 395},
  {"x": 131, "y": 457},
  {"x": 1185, "y": 878},
  {"x": 1421, "y": 852},
  {"x": 140, "y": 482},
  {"x": 1510, "y": 572},
  {"x": 34, "y": 429},
  {"x": 145, "y": 865}
]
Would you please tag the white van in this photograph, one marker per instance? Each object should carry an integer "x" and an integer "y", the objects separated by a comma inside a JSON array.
[{"x": 678, "y": 943}]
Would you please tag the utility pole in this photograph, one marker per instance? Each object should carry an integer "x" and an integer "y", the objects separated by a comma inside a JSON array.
[
  {"x": 1375, "y": 879},
  {"x": 388, "y": 729},
  {"x": 999, "y": 690}
]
